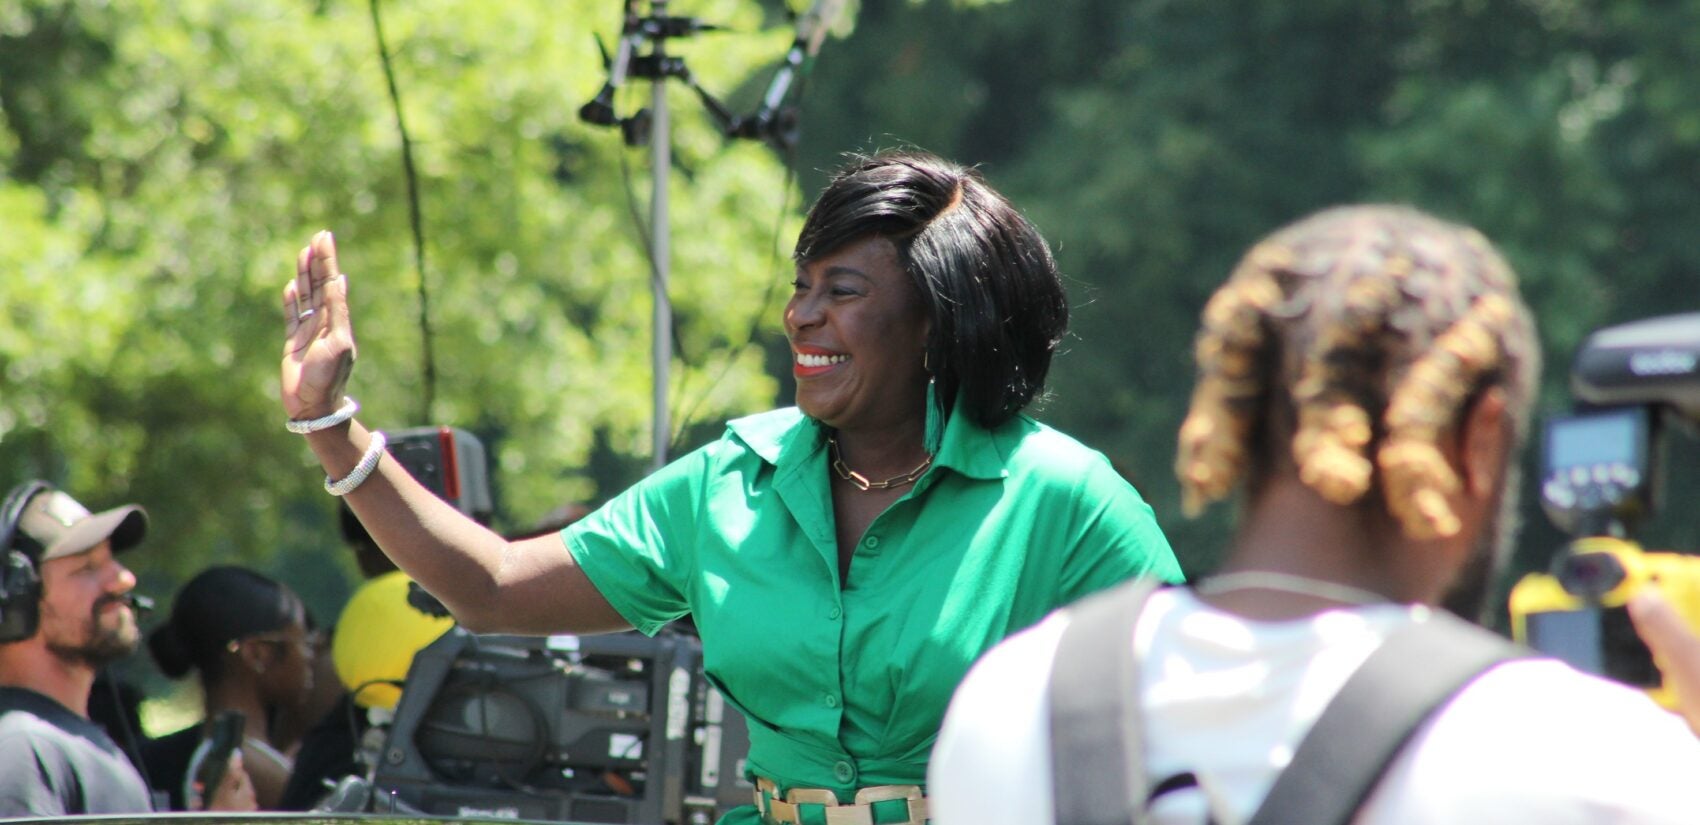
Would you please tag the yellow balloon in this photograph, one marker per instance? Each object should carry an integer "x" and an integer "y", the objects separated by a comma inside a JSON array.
[{"x": 376, "y": 637}]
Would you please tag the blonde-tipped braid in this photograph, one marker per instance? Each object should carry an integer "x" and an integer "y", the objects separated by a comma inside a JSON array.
[
  {"x": 1416, "y": 478},
  {"x": 1212, "y": 453},
  {"x": 1334, "y": 428},
  {"x": 1341, "y": 305}
]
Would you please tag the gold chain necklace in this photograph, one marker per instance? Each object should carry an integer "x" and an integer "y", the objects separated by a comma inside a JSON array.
[{"x": 861, "y": 482}]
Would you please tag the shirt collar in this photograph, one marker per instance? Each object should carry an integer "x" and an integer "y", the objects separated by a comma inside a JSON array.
[
  {"x": 973, "y": 450},
  {"x": 787, "y": 438}
]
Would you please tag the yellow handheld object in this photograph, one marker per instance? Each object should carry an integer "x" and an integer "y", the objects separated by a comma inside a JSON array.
[
  {"x": 1601, "y": 474},
  {"x": 1577, "y": 612}
]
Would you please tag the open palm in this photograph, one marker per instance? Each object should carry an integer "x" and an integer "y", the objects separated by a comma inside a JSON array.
[{"x": 318, "y": 347}]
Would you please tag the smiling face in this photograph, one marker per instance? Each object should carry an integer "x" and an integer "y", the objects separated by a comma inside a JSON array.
[
  {"x": 85, "y": 615},
  {"x": 858, "y": 330}
]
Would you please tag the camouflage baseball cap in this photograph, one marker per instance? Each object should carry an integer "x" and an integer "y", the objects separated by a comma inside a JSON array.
[{"x": 54, "y": 525}]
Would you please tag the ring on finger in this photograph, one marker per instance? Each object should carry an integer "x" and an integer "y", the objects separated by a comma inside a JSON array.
[{"x": 305, "y": 314}]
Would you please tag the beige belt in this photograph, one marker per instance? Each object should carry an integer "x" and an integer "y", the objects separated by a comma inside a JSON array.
[{"x": 860, "y": 812}]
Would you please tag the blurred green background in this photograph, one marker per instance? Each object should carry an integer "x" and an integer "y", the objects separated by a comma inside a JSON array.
[{"x": 162, "y": 160}]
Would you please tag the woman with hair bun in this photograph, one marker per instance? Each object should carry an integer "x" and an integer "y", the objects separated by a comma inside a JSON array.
[{"x": 246, "y": 636}]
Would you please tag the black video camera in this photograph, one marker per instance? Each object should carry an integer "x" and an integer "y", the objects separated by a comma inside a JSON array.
[
  {"x": 1601, "y": 477},
  {"x": 616, "y": 728}
]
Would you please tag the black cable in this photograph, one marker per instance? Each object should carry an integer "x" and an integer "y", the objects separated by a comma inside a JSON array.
[
  {"x": 773, "y": 281},
  {"x": 682, "y": 423},
  {"x": 415, "y": 216},
  {"x": 356, "y": 736},
  {"x": 643, "y": 231},
  {"x": 756, "y": 322},
  {"x": 130, "y": 739},
  {"x": 655, "y": 284},
  {"x": 759, "y": 319},
  {"x": 353, "y": 711}
]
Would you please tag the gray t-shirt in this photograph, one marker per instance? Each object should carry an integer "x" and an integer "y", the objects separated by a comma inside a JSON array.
[{"x": 54, "y": 762}]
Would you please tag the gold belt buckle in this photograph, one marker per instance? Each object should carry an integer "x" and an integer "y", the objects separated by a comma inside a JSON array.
[
  {"x": 812, "y": 796},
  {"x": 861, "y": 812},
  {"x": 882, "y": 793}
]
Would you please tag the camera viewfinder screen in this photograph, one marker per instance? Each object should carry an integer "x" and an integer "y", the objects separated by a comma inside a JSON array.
[
  {"x": 1594, "y": 439},
  {"x": 1571, "y": 636},
  {"x": 1601, "y": 641}
]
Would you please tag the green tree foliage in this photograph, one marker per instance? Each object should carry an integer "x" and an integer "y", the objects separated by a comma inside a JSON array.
[
  {"x": 1154, "y": 141},
  {"x": 161, "y": 162}
]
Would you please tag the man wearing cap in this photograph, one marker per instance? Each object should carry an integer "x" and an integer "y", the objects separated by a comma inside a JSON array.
[{"x": 65, "y": 611}]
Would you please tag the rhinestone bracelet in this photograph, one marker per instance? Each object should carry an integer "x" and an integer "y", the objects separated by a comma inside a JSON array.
[
  {"x": 357, "y": 476},
  {"x": 312, "y": 425}
]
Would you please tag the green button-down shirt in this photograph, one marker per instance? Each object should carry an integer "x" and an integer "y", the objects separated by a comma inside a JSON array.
[{"x": 846, "y": 686}]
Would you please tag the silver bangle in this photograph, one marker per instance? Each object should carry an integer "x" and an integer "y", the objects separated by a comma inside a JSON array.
[
  {"x": 312, "y": 425},
  {"x": 357, "y": 476}
]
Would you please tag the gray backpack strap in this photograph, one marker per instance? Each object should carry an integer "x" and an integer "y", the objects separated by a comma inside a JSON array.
[
  {"x": 1097, "y": 752},
  {"x": 1415, "y": 672}
]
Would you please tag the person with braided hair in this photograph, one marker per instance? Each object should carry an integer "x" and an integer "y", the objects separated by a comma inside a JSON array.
[{"x": 1366, "y": 375}]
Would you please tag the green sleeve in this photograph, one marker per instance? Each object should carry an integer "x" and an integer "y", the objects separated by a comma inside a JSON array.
[
  {"x": 1115, "y": 535},
  {"x": 637, "y": 548}
]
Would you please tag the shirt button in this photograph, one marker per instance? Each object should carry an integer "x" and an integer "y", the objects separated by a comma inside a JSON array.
[
  {"x": 843, "y": 771},
  {"x": 834, "y": 613},
  {"x": 871, "y": 542},
  {"x": 830, "y": 700}
]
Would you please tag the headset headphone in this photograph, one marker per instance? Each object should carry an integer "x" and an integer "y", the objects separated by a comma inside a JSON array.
[{"x": 20, "y": 582}]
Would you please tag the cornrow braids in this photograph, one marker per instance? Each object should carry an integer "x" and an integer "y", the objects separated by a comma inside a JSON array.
[{"x": 1377, "y": 323}]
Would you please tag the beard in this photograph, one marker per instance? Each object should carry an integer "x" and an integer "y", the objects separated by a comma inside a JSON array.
[
  {"x": 95, "y": 640},
  {"x": 1470, "y": 594}
]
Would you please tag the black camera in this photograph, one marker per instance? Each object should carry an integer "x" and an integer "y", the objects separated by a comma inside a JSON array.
[
  {"x": 617, "y": 728},
  {"x": 211, "y": 758},
  {"x": 1601, "y": 474}
]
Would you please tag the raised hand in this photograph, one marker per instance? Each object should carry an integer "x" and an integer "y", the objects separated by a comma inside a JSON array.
[{"x": 318, "y": 347}]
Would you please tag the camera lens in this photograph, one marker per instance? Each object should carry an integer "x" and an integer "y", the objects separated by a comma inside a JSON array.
[{"x": 1590, "y": 575}]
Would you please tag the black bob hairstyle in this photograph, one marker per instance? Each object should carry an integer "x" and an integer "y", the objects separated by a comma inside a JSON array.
[{"x": 992, "y": 291}]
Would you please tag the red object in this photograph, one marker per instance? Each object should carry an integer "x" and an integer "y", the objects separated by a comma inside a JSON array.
[{"x": 451, "y": 469}]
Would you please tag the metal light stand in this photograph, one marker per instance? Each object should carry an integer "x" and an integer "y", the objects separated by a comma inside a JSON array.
[
  {"x": 660, "y": 244},
  {"x": 651, "y": 126},
  {"x": 770, "y": 123}
]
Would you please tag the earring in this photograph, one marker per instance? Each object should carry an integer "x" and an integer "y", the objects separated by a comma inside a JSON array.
[{"x": 933, "y": 425}]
